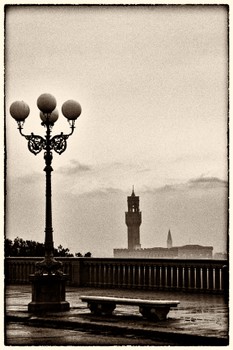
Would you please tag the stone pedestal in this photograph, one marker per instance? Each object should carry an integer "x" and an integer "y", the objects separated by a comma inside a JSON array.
[{"x": 48, "y": 293}]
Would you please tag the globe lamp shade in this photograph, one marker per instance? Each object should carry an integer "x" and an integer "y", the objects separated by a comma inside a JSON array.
[
  {"x": 71, "y": 109},
  {"x": 46, "y": 103},
  {"x": 19, "y": 110},
  {"x": 51, "y": 117}
]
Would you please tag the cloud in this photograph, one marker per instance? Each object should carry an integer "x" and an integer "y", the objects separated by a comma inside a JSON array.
[
  {"x": 207, "y": 182},
  {"x": 169, "y": 188},
  {"x": 203, "y": 183},
  {"x": 102, "y": 192},
  {"x": 74, "y": 168},
  {"x": 29, "y": 179}
]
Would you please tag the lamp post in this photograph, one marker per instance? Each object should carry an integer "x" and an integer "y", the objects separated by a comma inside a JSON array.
[{"x": 48, "y": 282}]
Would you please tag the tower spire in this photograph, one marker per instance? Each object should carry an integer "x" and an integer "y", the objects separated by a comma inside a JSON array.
[
  {"x": 169, "y": 240},
  {"x": 133, "y": 194}
]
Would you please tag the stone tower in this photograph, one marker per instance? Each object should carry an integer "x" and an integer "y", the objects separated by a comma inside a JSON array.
[
  {"x": 169, "y": 240},
  {"x": 133, "y": 219}
]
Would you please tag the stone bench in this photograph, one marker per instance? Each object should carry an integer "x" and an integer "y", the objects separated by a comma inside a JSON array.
[{"x": 156, "y": 310}]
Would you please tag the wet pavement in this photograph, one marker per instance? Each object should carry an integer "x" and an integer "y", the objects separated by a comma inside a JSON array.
[
  {"x": 36, "y": 335},
  {"x": 198, "y": 320}
]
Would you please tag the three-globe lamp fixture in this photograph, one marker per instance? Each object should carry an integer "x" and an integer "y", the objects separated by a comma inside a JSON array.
[{"x": 71, "y": 109}]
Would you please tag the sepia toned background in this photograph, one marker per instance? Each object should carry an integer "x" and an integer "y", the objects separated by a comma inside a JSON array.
[{"x": 153, "y": 85}]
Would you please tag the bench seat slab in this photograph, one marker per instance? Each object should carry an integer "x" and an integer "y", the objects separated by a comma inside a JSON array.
[{"x": 155, "y": 310}]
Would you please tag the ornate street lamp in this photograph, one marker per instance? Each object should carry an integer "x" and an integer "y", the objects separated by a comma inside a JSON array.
[{"x": 48, "y": 290}]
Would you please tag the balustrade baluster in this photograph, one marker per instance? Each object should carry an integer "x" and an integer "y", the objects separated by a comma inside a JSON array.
[
  {"x": 144, "y": 276},
  {"x": 129, "y": 276},
  {"x": 123, "y": 275},
  {"x": 189, "y": 278},
  {"x": 106, "y": 275},
  {"x": 109, "y": 275},
  {"x": 134, "y": 275},
  {"x": 100, "y": 275},
  {"x": 21, "y": 266},
  {"x": 165, "y": 276},
  {"x": 157, "y": 276},
  {"x": 169, "y": 276},
  {"x": 214, "y": 286},
  {"x": 104, "y": 279},
  {"x": 183, "y": 278},
  {"x": 160, "y": 277},
  {"x": 217, "y": 279},
  {"x": 22, "y": 277},
  {"x": 95, "y": 275},
  {"x": 18, "y": 272},
  {"x": 178, "y": 276},
  {"x": 103, "y": 274},
  {"x": 220, "y": 279},
  {"x": 195, "y": 278},
  {"x": 210, "y": 278},
  {"x": 14, "y": 273},
  {"x": 207, "y": 279},
  {"x": 119, "y": 274},
  {"x": 90, "y": 274},
  {"x": 198, "y": 277},
  {"x": 201, "y": 275},
  {"x": 174, "y": 273},
  {"x": 114, "y": 275},
  {"x": 150, "y": 277},
  {"x": 26, "y": 272},
  {"x": 139, "y": 276},
  {"x": 171, "y": 272},
  {"x": 204, "y": 274},
  {"x": 153, "y": 270}
]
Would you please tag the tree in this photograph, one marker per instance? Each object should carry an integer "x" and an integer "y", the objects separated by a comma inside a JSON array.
[
  {"x": 60, "y": 251},
  {"x": 19, "y": 247},
  {"x": 88, "y": 255},
  {"x": 78, "y": 255}
]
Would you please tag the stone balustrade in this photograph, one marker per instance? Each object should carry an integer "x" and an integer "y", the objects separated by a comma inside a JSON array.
[{"x": 210, "y": 276}]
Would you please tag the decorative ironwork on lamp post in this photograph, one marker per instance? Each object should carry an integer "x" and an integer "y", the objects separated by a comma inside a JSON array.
[{"x": 71, "y": 109}]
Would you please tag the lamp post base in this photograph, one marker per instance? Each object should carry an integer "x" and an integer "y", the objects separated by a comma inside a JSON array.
[{"x": 48, "y": 294}]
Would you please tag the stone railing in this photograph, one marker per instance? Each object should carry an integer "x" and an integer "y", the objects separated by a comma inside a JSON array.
[
  {"x": 17, "y": 270},
  {"x": 210, "y": 276}
]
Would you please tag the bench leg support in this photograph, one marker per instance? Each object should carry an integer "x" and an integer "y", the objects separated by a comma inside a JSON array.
[
  {"x": 154, "y": 313},
  {"x": 101, "y": 308}
]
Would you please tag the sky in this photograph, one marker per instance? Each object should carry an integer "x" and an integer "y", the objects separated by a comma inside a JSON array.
[{"x": 153, "y": 85}]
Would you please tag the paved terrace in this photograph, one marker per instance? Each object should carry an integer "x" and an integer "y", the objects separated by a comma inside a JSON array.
[{"x": 198, "y": 320}]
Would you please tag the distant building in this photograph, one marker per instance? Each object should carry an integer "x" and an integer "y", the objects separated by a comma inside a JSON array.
[
  {"x": 133, "y": 220},
  {"x": 195, "y": 251},
  {"x": 182, "y": 252},
  {"x": 220, "y": 256}
]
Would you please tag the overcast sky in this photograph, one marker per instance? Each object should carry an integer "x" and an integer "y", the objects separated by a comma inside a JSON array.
[{"x": 153, "y": 84}]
